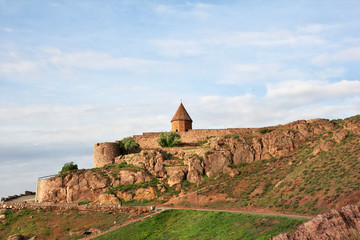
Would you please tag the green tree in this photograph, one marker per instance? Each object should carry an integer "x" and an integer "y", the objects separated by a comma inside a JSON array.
[
  {"x": 68, "y": 167},
  {"x": 128, "y": 145},
  {"x": 169, "y": 139}
]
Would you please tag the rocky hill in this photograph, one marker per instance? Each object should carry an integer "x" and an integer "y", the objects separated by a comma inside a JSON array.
[
  {"x": 304, "y": 166},
  {"x": 337, "y": 224}
]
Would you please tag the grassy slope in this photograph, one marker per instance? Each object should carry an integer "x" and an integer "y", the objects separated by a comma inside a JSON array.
[
  {"x": 300, "y": 183},
  {"x": 189, "y": 224},
  {"x": 47, "y": 224}
]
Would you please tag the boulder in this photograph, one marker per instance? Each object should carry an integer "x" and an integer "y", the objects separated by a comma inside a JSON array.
[
  {"x": 16, "y": 237},
  {"x": 341, "y": 135},
  {"x": 323, "y": 146},
  {"x": 176, "y": 176},
  {"x": 125, "y": 196},
  {"x": 215, "y": 162},
  {"x": 106, "y": 198},
  {"x": 145, "y": 193},
  {"x": 194, "y": 176}
]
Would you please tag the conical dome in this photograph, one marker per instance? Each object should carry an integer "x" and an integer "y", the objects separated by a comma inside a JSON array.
[
  {"x": 181, "y": 114},
  {"x": 181, "y": 122}
]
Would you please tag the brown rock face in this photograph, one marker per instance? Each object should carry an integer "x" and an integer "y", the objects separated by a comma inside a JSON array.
[
  {"x": 243, "y": 153},
  {"x": 215, "y": 162},
  {"x": 145, "y": 193},
  {"x": 339, "y": 136},
  {"x": 337, "y": 224},
  {"x": 323, "y": 146},
  {"x": 86, "y": 185},
  {"x": 125, "y": 196},
  {"x": 150, "y": 160},
  {"x": 106, "y": 198},
  {"x": 176, "y": 175}
]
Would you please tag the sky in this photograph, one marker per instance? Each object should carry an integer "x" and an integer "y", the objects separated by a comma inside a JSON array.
[{"x": 74, "y": 73}]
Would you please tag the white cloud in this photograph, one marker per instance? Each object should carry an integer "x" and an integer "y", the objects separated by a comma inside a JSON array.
[
  {"x": 201, "y": 10},
  {"x": 273, "y": 38},
  {"x": 242, "y": 73},
  {"x": 19, "y": 67},
  {"x": 331, "y": 73},
  {"x": 283, "y": 103},
  {"x": 301, "y": 93},
  {"x": 178, "y": 48},
  {"x": 43, "y": 124},
  {"x": 198, "y": 10},
  {"x": 318, "y": 28},
  {"x": 103, "y": 61},
  {"x": 161, "y": 8},
  {"x": 345, "y": 55}
]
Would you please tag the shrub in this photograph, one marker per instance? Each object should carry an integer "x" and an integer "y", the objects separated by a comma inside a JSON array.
[
  {"x": 265, "y": 130},
  {"x": 128, "y": 145},
  {"x": 84, "y": 202},
  {"x": 68, "y": 167},
  {"x": 169, "y": 139}
]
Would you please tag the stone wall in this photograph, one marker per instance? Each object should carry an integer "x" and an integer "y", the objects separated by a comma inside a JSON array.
[
  {"x": 149, "y": 140},
  {"x": 105, "y": 153},
  {"x": 75, "y": 206}
]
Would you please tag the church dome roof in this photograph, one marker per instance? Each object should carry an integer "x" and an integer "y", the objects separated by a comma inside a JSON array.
[{"x": 181, "y": 114}]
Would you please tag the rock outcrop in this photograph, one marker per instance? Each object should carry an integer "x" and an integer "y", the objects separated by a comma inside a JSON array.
[
  {"x": 88, "y": 185},
  {"x": 172, "y": 166},
  {"x": 334, "y": 225}
]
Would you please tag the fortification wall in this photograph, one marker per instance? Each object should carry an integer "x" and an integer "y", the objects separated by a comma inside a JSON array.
[
  {"x": 105, "y": 153},
  {"x": 149, "y": 140}
]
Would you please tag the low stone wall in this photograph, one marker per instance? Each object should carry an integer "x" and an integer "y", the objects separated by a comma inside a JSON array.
[
  {"x": 9, "y": 198},
  {"x": 149, "y": 140},
  {"x": 75, "y": 206}
]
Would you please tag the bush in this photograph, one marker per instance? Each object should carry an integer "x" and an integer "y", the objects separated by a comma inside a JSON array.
[
  {"x": 68, "y": 167},
  {"x": 169, "y": 139},
  {"x": 265, "y": 130},
  {"x": 128, "y": 145}
]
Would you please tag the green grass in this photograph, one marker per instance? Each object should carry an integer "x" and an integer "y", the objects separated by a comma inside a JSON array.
[
  {"x": 189, "y": 224},
  {"x": 49, "y": 224}
]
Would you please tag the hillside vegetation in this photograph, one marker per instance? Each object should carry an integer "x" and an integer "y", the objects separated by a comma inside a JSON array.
[
  {"x": 308, "y": 180},
  {"x": 188, "y": 224},
  {"x": 48, "y": 224}
]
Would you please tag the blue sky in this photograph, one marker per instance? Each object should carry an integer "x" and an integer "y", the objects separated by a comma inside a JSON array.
[{"x": 74, "y": 73}]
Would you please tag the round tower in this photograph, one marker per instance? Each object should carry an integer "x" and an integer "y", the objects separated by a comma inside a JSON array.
[
  {"x": 105, "y": 153},
  {"x": 181, "y": 122}
]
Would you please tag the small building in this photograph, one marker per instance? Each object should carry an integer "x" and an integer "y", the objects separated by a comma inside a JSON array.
[{"x": 181, "y": 122}]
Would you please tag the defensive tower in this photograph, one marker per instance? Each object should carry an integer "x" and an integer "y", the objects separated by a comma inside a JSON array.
[{"x": 181, "y": 122}]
